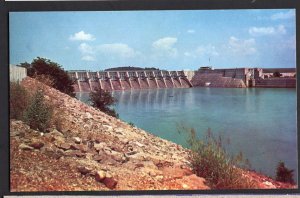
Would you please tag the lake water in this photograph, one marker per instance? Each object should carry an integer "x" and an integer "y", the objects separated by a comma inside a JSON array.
[{"x": 260, "y": 122}]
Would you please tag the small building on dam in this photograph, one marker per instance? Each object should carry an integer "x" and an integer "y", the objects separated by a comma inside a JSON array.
[{"x": 127, "y": 79}]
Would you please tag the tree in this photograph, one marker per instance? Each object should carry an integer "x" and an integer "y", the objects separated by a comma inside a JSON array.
[
  {"x": 30, "y": 71},
  {"x": 283, "y": 174},
  {"x": 42, "y": 66},
  {"x": 102, "y": 100},
  {"x": 277, "y": 74}
]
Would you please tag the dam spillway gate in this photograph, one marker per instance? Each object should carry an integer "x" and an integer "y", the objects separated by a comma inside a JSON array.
[{"x": 87, "y": 81}]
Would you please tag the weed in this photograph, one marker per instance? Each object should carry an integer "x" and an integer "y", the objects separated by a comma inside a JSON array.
[
  {"x": 210, "y": 160},
  {"x": 18, "y": 101},
  {"x": 284, "y": 174},
  {"x": 131, "y": 124},
  {"x": 38, "y": 114}
]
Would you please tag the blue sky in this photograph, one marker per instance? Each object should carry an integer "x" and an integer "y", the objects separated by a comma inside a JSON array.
[{"x": 165, "y": 39}]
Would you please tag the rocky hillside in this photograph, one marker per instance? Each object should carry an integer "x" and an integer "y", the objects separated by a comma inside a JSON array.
[{"x": 89, "y": 150}]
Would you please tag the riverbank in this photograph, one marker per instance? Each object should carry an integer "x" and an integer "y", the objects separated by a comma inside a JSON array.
[{"x": 93, "y": 151}]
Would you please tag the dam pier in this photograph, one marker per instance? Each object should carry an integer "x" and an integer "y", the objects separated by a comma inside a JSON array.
[
  {"x": 86, "y": 81},
  {"x": 112, "y": 80}
]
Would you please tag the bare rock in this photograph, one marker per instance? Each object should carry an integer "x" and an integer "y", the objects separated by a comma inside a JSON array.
[
  {"x": 37, "y": 144},
  {"x": 82, "y": 148},
  {"x": 117, "y": 156},
  {"x": 175, "y": 172},
  {"x": 64, "y": 146},
  {"x": 57, "y": 133},
  {"x": 72, "y": 153},
  {"x": 75, "y": 147},
  {"x": 77, "y": 140},
  {"x": 49, "y": 151},
  {"x": 106, "y": 179},
  {"x": 139, "y": 165},
  {"x": 139, "y": 144},
  {"x": 125, "y": 140},
  {"x": 25, "y": 147},
  {"x": 269, "y": 185},
  {"x": 84, "y": 170},
  {"x": 110, "y": 183},
  {"x": 14, "y": 133},
  {"x": 119, "y": 131},
  {"x": 193, "y": 182},
  {"x": 49, "y": 130},
  {"x": 131, "y": 153},
  {"x": 57, "y": 138},
  {"x": 100, "y": 175},
  {"x": 108, "y": 127},
  {"x": 100, "y": 146},
  {"x": 97, "y": 158}
]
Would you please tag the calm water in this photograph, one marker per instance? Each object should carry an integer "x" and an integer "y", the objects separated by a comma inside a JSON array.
[{"x": 259, "y": 122}]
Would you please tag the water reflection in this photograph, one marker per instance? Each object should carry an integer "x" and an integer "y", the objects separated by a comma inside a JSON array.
[{"x": 260, "y": 122}]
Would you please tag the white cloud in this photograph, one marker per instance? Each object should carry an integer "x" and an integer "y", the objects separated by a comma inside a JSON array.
[
  {"x": 241, "y": 47},
  {"x": 188, "y": 54},
  {"x": 289, "y": 43},
  {"x": 208, "y": 50},
  {"x": 165, "y": 47},
  {"x": 283, "y": 15},
  {"x": 117, "y": 49},
  {"x": 261, "y": 31},
  {"x": 86, "y": 49},
  {"x": 164, "y": 43},
  {"x": 281, "y": 29},
  {"x": 203, "y": 50},
  {"x": 88, "y": 58},
  {"x": 114, "y": 50},
  {"x": 191, "y": 31},
  {"x": 82, "y": 36}
]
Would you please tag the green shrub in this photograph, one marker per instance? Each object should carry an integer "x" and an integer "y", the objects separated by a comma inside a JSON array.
[
  {"x": 284, "y": 174},
  {"x": 38, "y": 114},
  {"x": 18, "y": 100},
  {"x": 210, "y": 160},
  {"x": 102, "y": 100}
]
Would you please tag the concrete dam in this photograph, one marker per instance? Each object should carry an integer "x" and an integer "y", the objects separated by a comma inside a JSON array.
[
  {"x": 245, "y": 77},
  {"x": 86, "y": 81}
]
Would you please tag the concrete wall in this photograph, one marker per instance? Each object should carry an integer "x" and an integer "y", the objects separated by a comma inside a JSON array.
[
  {"x": 220, "y": 78},
  {"x": 269, "y": 75},
  {"x": 216, "y": 80},
  {"x": 276, "y": 83},
  {"x": 86, "y": 81},
  {"x": 17, "y": 73},
  {"x": 189, "y": 74},
  {"x": 242, "y": 77}
]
